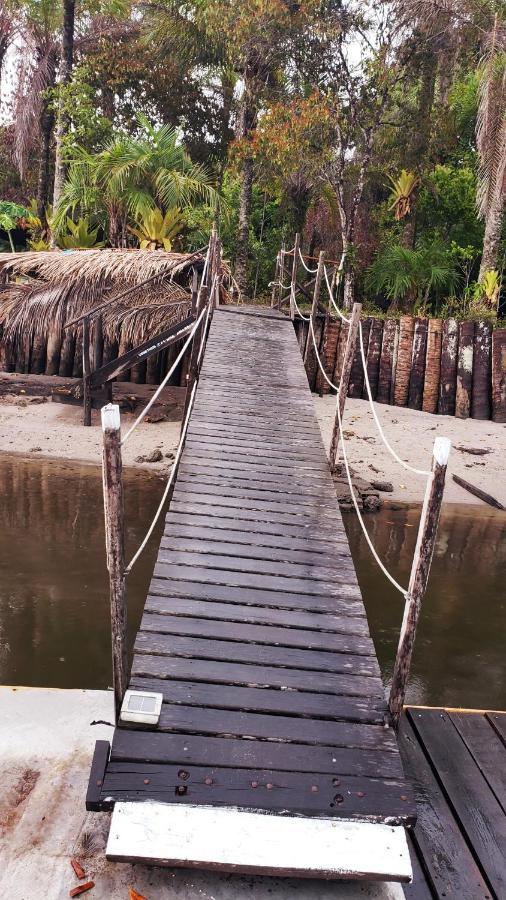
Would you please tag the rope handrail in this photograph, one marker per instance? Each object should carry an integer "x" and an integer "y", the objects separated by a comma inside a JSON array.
[
  {"x": 170, "y": 479},
  {"x": 334, "y": 304},
  {"x": 390, "y": 449},
  {"x": 327, "y": 379},
  {"x": 165, "y": 379},
  {"x": 372, "y": 548},
  {"x": 311, "y": 271}
]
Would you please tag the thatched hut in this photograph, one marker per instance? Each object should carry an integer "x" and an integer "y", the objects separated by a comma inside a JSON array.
[{"x": 41, "y": 292}]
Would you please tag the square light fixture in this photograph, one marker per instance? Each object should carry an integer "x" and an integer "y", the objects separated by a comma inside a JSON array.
[{"x": 141, "y": 706}]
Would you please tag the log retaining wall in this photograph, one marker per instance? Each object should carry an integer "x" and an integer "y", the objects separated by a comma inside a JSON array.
[{"x": 440, "y": 366}]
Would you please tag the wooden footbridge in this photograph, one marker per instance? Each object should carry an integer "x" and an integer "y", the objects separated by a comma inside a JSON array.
[{"x": 252, "y": 733}]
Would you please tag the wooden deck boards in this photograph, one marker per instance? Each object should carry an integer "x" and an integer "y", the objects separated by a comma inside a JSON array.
[
  {"x": 457, "y": 763},
  {"x": 254, "y": 629}
]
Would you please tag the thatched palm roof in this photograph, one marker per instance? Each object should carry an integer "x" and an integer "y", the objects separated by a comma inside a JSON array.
[{"x": 58, "y": 287}]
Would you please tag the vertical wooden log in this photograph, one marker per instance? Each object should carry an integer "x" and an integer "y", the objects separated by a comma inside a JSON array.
[
  {"x": 282, "y": 270},
  {"x": 432, "y": 366},
  {"x": 373, "y": 356},
  {"x": 482, "y": 371},
  {"x": 293, "y": 281},
  {"x": 68, "y": 347},
  {"x": 114, "y": 544},
  {"x": 448, "y": 378},
  {"x": 314, "y": 305},
  {"x": 386, "y": 361},
  {"x": 86, "y": 373},
  {"x": 464, "y": 370},
  {"x": 328, "y": 354},
  {"x": 340, "y": 351},
  {"x": 97, "y": 352},
  {"x": 37, "y": 364},
  {"x": 77, "y": 368},
  {"x": 54, "y": 346},
  {"x": 499, "y": 374},
  {"x": 417, "y": 376},
  {"x": 403, "y": 366},
  {"x": 356, "y": 386},
  {"x": 344, "y": 382},
  {"x": 419, "y": 577}
]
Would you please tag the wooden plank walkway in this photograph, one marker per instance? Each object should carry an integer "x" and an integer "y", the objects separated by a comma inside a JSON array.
[
  {"x": 457, "y": 763},
  {"x": 254, "y": 629}
]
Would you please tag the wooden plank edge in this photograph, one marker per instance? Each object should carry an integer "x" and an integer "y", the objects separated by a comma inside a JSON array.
[{"x": 99, "y": 762}]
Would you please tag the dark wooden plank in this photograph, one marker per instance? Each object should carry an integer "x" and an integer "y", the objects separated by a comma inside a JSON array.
[
  {"x": 97, "y": 772},
  {"x": 498, "y": 721},
  {"x": 250, "y": 479},
  {"x": 215, "y": 450},
  {"x": 224, "y": 530},
  {"x": 246, "y": 674},
  {"x": 487, "y": 749},
  {"x": 256, "y": 580},
  {"x": 284, "y": 728},
  {"x": 303, "y": 794},
  {"x": 257, "y": 634},
  {"x": 258, "y": 654},
  {"x": 232, "y": 612},
  {"x": 292, "y": 703},
  {"x": 247, "y": 468},
  {"x": 273, "y": 522},
  {"x": 478, "y": 492},
  {"x": 199, "y": 554},
  {"x": 344, "y": 604},
  {"x": 317, "y": 508},
  {"x": 419, "y": 888},
  {"x": 237, "y": 754},
  {"x": 479, "y": 814},
  {"x": 448, "y": 861}
]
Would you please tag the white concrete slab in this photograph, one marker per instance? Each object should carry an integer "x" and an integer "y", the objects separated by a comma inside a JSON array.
[{"x": 46, "y": 745}]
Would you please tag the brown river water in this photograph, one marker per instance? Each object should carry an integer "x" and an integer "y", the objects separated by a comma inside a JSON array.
[{"x": 54, "y": 608}]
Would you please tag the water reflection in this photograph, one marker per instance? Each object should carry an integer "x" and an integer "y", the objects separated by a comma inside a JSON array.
[
  {"x": 459, "y": 657},
  {"x": 54, "y": 606}
]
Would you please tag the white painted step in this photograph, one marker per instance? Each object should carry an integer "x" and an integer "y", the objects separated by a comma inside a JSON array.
[{"x": 230, "y": 839}]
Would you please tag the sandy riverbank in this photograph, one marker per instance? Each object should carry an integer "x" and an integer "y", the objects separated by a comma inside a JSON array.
[
  {"x": 34, "y": 426},
  {"x": 411, "y": 433}
]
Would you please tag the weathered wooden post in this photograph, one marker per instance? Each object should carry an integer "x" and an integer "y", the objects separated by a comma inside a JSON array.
[
  {"x": 293, "y": 282},
  {"x": 275, "y": 283},
  {"x": 314, "y": 305},
  {"x": 419, "y": 577},
  {"x": 281, "y": 273},
  {"x": 114, "y": 543},
  {"x": 344, "y": 381},
  {"x": 86, "y": 373}
]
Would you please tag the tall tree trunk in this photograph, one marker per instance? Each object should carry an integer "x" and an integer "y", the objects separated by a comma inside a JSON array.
[
  {"x": 245, "y": 204},
  {"x": 492, "y": 238},
  {"x": 67, "y": 61},
  {"x": 108, "y": 102},
  {"x": 423, "y": 121},
  {"x": 46, "y": 130}
]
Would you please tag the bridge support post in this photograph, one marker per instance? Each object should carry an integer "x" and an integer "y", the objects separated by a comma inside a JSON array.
[
  {"x": 115, "y": 550},
  {"x": 86, "y": 373},
  {"x": 275, "y": 285},
  {"x": 293, "y": 282},
  {"x": 344, "y": 381},
  {"x": 314, "y": 305},
  {"x": 420, "y": 570}
]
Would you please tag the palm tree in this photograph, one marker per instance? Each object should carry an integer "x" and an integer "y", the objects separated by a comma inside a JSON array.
[{"x": 131, "y": 177}]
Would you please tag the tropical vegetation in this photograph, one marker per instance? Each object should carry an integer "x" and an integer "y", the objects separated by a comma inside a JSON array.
[{"x": 376, "y": 131}]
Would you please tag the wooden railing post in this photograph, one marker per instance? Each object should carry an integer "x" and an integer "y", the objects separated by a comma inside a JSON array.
[
  {"x": 86, "y": 373},
  {"x": 115, "y": 551},
  {"x": 275, "y": 284},
  {"x": 344, "y": 381},
  {"x": 281, "y": 273},
  {"x": 293, "y": 283},
  {"x": 316, "y": 297},
  {"x": 420, "y": 570}
]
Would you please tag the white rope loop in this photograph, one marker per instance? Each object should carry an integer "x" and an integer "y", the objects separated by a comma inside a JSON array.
[
  {"x": 327, "y": 379},
  {"x": 173, "y": 471},
  {"x": 312, "y": 271},
  {"x": 383, "y": 568},
  {"x": 390, "y": 449},
  {"x": 331, "y": 296}
]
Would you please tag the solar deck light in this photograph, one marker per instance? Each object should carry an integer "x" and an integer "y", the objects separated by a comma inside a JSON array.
[{"x": 141, "y": 706}]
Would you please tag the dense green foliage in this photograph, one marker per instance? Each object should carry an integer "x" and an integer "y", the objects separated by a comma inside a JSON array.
[{"x": 377, "y": 131}]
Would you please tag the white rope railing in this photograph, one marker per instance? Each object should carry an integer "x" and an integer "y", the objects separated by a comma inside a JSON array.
[
  {"x": 390, "y": 449},
  {"x": 322, "y": 370},
  {"x": 331, "y": 296},
  {"x": 165, "y": 380},
  {"x": 372, "y": 548},
  {"x": 170, "y": 479},
  {"x": 312, "y": 271}
]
